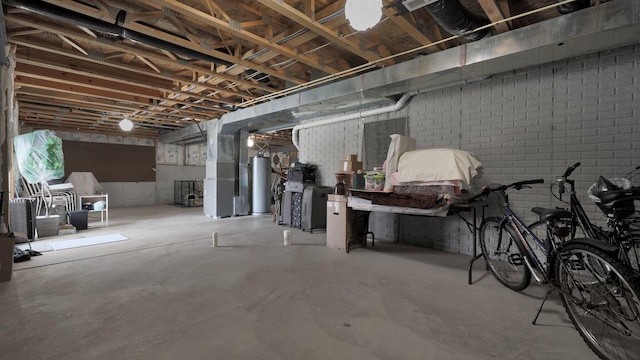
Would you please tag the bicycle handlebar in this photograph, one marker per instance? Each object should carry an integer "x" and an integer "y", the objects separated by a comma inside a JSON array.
[
  {"x": 516, "y": 185},
  {"x": 570, "y": 169}
]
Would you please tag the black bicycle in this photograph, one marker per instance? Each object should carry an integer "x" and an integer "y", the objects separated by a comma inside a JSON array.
[
  {"x": 614, "y": 197},
  {"x": 598, "y": 291}
]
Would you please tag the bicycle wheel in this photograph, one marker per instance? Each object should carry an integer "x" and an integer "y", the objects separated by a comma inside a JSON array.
[
  {"x": 629, "y": 240},
  {"x": 600, "y": 295},
  {"x": 500, "y": 249}
]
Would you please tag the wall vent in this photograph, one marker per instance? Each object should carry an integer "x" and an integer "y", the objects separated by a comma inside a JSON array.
[{"x": 412, "y": 5}]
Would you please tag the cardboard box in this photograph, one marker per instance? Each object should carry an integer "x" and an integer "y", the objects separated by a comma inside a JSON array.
[
  {"x": 66, "y": 230},
  {"x": 343, "y": 224},
  {"x": 348, "y": 165},
  {"x": 348, "y": 178},
  {"x": 350, "y": 157},
  {"x": 334, "y": 197}
]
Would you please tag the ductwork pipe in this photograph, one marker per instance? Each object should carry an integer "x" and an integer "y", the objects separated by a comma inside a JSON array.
[
  {"x": 573, "y": 6},
  {"x": 62, "y": 14},
  {"x": 395, "y": 107},
  {"x": 456, "y": 19}
]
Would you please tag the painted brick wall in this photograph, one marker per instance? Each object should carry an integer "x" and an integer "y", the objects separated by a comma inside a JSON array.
[{"x": 525, "y": 124}]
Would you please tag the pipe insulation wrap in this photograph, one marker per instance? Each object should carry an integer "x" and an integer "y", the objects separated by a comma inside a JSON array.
[{"x": 452, "y": 16}]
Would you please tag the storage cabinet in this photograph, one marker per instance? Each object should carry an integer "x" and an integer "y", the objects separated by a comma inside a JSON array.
[{"x": 314, "y": 207}]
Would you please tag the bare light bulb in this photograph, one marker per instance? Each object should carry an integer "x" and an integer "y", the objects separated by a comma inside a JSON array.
[
  {"x": 126, "y": 124},
  {"x": 363, "y": 14}
]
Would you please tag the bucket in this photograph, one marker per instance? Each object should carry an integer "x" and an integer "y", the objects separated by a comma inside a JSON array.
[
  {"x": 47, "y": 225},
  {"x": 79, "y": 219}
]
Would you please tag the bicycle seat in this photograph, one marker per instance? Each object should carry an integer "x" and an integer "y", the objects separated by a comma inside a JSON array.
[
  {"x": 618, "y": 203},
  {"x": 614, "y": 197},
  {"x": 551, "y": 214}
]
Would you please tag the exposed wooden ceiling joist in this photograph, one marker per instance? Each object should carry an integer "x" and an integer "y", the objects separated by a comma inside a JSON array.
[{"x": 222, "y": 53}]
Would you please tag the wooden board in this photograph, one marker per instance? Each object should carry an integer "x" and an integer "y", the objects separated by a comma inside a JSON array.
[{"x": 110, "y": 162}]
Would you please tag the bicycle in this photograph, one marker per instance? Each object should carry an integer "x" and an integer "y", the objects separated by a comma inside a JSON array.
[
  {"x": 599, "y": 293},
  {"x": 623, "y": 222}
]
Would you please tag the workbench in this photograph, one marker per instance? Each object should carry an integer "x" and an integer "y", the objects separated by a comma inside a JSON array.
[{"x": 362, "y": 208}]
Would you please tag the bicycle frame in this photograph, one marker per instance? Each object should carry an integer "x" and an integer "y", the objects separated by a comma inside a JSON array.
[
  {"x": 598, "y": 290},
  {"x": 537, "y": 268},
  {"x": 616, "y": 227},
  {"x": 579, "y": 214}
]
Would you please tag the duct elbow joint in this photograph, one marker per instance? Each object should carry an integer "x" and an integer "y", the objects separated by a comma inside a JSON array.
[
  {"x": 121, "y": 18},
  {"x": 573, "y": 6}
]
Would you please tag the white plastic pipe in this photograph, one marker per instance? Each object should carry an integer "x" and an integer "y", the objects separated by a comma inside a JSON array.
[{"x": 395, "y": 107}]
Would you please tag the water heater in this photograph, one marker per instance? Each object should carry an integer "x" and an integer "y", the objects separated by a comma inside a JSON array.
[{"x": 261, "y": 185}]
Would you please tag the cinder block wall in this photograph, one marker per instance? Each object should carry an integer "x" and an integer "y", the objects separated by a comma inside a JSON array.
[
  {"x": 173, "y": 162},
  {"x": 524, "y": 124}
]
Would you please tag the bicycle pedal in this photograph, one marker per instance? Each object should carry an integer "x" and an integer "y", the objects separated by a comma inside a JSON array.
[{"x": 516, "y": 259}]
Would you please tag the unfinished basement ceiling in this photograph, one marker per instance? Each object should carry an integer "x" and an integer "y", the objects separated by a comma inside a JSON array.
[{"x": 169, "y": 65}]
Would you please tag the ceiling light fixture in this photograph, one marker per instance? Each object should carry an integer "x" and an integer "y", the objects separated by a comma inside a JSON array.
[
  {"x": 363, "y": 14},
  {"x": 250, "y": 141},
  {"x": 126, "y": 124}
]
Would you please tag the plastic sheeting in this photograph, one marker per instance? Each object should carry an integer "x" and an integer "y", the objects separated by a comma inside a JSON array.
[
  {"x": 39, "y": 156},
  {"x": 399, "y": 145}
]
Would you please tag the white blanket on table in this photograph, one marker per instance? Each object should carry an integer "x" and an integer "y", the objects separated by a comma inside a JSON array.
[
  {"x": 84, "y": 183},
  {"x": 437, "y": 165}
]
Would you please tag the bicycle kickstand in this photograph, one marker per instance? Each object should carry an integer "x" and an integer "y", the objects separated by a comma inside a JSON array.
[{"x": 549, "y": 291}]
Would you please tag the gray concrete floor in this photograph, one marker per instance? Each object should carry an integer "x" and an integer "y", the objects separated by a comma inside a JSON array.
[{"x": 168, "y": 294}]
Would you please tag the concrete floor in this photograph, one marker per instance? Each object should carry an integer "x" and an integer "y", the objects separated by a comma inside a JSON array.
[{"x": 168, "y": 294}]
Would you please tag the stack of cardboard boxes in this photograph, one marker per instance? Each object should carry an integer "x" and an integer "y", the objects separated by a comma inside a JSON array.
[
  {"x": 340, "y": 218},
  {"x": 349, "y": 165}
]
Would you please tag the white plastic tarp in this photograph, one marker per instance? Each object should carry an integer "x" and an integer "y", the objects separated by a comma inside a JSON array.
[
  {"x": 437, "y": 165},
  {"x": 39, "y": 156}
]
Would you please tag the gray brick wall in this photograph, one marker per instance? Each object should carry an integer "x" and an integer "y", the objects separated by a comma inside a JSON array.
[{"x": 529, "y": 123}]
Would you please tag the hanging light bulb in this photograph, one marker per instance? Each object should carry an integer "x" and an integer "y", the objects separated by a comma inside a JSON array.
[
  {"x": 250, "y": 141},
  {"x": 126, "y": 124},
  {"x": 363, "y": 14}
]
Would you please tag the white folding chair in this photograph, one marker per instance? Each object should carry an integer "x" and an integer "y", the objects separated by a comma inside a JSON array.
[{"x": 46, "y": 195}]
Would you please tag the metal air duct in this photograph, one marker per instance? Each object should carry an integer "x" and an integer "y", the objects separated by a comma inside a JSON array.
[
  {"x": 456, "y": 19},
  {"x": 62, "y": 14},
  {"x": 573, "y": 6}
]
